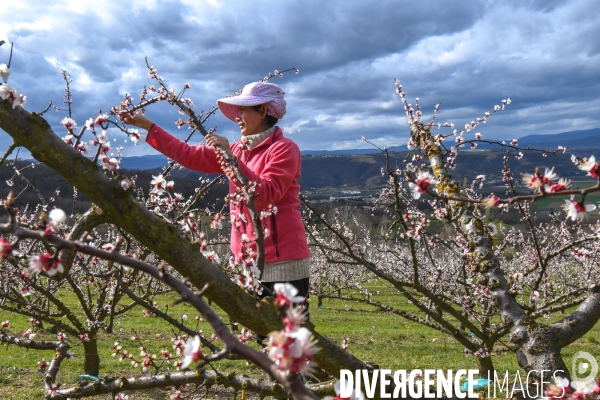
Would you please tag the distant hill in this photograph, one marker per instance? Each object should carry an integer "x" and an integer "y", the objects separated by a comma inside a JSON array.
[
  {"x": 349, "y": 151},
  {"x": 363, "y": 166},
  {"x": 321, "y": 169},
  {"x": 365, "y": 169},
  {"x": 573, "y": 140}
]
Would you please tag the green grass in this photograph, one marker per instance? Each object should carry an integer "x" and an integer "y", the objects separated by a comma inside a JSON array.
[{"x": 374, "y": 336}]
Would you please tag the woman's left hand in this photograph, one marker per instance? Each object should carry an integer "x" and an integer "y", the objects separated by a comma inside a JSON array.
[{"x": 216, "y": 140}]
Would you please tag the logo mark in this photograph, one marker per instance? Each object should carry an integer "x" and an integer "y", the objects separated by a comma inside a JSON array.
[{"x": 584, "y": 368}]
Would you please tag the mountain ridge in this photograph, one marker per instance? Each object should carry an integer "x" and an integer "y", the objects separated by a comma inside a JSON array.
[{"x": 579, "y": 139}]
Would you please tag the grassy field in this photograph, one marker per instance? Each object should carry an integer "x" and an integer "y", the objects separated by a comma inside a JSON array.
[{"x": 387, "y": 340}]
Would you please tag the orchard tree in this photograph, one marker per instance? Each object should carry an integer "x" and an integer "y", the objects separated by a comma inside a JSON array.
[{"x": 489, "y": 291}]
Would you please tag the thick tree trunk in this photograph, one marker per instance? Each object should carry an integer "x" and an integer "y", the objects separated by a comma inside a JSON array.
[
  {"x": 485, "y": 365},
  {"x": 91, "y": 361}
]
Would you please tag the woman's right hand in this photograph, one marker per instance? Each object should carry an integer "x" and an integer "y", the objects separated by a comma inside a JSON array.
[{"x": 139, "y": 120}]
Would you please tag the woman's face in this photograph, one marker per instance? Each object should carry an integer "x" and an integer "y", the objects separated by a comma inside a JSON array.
[{"x": 252, "y": 121}]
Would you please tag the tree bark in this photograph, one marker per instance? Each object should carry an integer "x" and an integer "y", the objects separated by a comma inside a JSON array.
[
  {"x": 91, "y": 361},
  {"x": 485, "y": 365}
]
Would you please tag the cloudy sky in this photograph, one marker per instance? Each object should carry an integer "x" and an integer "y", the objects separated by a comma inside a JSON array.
[{"x": 467, "y": 55}]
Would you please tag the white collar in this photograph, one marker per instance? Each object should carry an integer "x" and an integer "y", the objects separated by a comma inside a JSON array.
[{"x": 251, "y": 141}]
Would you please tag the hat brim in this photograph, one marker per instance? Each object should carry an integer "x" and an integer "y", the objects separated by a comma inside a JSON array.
[{"x": 229, "y": 106}]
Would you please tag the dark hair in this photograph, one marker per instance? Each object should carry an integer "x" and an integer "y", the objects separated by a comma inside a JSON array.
[{"x": 271, "y": 120}]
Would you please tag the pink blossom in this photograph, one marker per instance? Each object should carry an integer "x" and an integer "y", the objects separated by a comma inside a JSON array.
[
  {"x": 13, "y": 95},
  {"x": 28, "y": 335},
  {"x": 577, "y": 211},
  {"x": 5, "y": 324},
  {"x": 492, "y": 201},
  {"x": 42, "y": 365},
  {"x": 294, "y": 318},
  {"x": 125, "y": 184},
  {"x": 532, "y": 181},
  {"x": 192, "y": 352},
  {"x": 345, "y": 343},
  {"x": 518, "y": 276},
  {"x": 5, "y": 249},
  {"x": 292, "y": 350},
  {"x": 591, "y": 166},
  {"x": 110, "y": 164},
  {"x": 117, "y": 349},
  {"x": 69, "y": 123},
  {"x": 563, "y": 184},
  {"x": 46, "y": 263},
  {"x": 286, "y": 295},
  {"x": 539, "y": 180},
  {"x": 159, "y": 183},
  {"x": 26, "y": 290},
  {"x": 421, "y": 184},
  {"x": 534, "y": 295},
  {"x": 135, "y": 136},
  {"x": 82, "y": 148},
  {"x": 549, "y": 176},
  {"x": 441, "y": 213},
  {"x": 4, "y": 72},
  {"x": 176, "y": 395},
  {"x": 101, "y": 119}
]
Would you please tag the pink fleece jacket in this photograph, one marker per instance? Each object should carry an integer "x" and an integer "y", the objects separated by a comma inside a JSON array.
[{"x": 275, "y": 165}]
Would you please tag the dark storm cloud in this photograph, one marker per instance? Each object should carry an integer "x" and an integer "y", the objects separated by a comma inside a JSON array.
[{"x": 468, "y": 56}]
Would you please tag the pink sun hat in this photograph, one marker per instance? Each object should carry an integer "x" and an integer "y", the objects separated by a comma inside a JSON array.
[{"x": 253, "y": 94}]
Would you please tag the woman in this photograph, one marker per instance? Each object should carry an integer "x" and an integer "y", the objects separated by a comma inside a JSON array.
[{"x": 264, "y": 156}]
